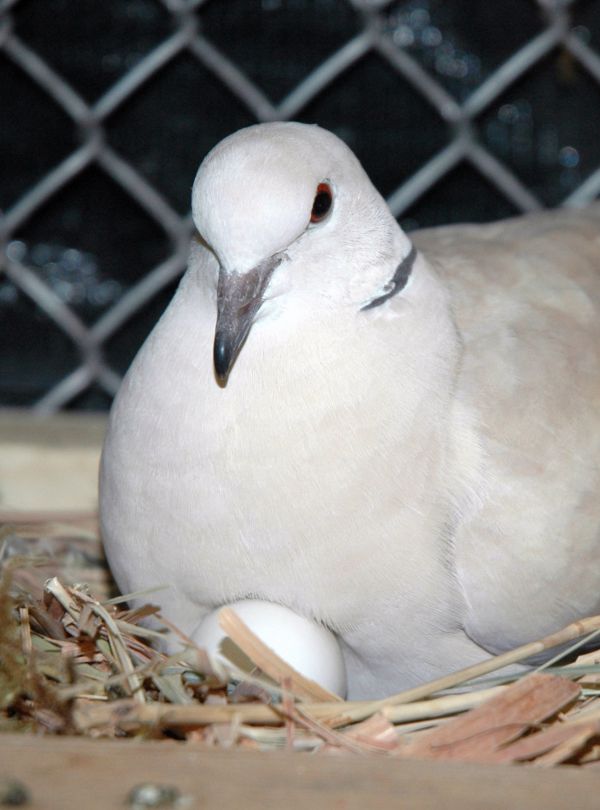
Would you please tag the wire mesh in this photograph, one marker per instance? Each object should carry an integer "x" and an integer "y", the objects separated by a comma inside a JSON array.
[{"x": 462, "y": 145}]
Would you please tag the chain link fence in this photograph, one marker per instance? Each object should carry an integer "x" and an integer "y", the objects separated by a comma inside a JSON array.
[{"x": 376, "y": 34}]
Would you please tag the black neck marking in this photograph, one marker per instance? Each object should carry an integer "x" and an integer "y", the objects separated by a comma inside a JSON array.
[{"x": 398, "y": 280}]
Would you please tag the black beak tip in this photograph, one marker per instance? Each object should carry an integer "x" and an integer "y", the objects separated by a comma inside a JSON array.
[{"x": 222, "y": 360}]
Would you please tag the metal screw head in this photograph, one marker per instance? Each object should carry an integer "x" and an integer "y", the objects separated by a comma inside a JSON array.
[
  {"x": 13, "y": 793},
  {"x": 149, "y": 794}
]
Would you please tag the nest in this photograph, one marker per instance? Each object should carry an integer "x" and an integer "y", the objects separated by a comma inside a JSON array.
[{"x": 74, "y": 659}]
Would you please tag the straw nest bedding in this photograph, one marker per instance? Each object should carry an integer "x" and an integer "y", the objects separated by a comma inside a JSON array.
[{"x": 75, "y": 660}]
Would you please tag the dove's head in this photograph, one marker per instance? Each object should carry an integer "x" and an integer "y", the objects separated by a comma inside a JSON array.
[{"x": 288, "y": 211}]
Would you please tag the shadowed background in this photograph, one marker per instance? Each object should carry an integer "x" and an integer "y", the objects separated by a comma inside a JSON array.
[{"x": 460, "y": 110}]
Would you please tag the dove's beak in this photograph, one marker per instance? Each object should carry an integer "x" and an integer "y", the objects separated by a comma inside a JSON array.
[{"x": 239, "y": 297}]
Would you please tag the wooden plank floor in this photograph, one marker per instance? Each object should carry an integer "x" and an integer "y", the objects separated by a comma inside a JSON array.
[{"x": 62, "y": 773}]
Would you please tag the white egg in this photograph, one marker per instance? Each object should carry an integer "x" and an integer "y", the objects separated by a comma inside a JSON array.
[{"x": 309, "y": 648}]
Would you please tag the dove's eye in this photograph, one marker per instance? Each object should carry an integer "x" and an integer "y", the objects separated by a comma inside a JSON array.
[{"x": 322, "y": 202}]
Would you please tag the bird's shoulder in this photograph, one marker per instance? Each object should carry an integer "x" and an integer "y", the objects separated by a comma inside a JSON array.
[
  {"x": 544, "y": 238},
  {"x": 544, "y": 261}
]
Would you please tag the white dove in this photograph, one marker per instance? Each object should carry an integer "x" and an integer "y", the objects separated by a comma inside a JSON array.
[{"x": 397, "y": 438}]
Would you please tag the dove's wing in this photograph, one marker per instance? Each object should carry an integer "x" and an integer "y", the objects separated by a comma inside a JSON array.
[{"x": 526, "y": 298}]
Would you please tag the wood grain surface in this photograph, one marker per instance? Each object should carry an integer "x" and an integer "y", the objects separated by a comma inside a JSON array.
[
  {"x": 64, "y": 773},
  {"x": 49, "y": 466}
]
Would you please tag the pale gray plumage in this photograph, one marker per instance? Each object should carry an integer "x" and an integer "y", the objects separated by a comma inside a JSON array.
[{"x": 422, "y": 476}]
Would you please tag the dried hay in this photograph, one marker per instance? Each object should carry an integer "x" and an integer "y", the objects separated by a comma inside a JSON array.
[{"x": 73, "y": 660}]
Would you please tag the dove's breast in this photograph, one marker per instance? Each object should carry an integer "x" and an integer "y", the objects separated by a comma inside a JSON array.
[{"x": 308, "y": 480}]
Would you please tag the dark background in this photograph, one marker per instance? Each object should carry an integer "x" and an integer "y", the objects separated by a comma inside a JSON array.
[{"x": 91, "y": 242}]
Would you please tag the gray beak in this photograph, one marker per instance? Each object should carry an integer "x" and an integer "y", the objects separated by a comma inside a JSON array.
[{"x": 239, "y": 297}]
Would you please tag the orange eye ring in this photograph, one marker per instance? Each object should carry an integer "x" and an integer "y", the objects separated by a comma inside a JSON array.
[{"x": 322, "y": 202}]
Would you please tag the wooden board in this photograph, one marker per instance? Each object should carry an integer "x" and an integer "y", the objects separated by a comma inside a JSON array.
[
  {"x": 48, "y": 466},
  {"x": 62, "y": 773}
]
